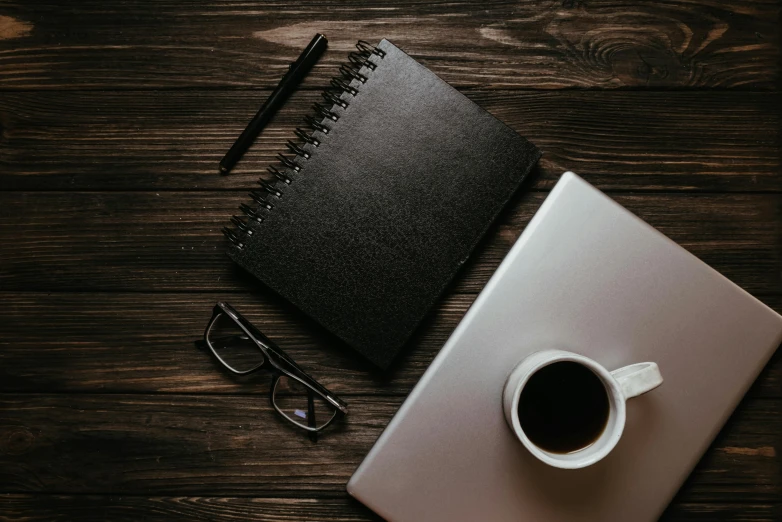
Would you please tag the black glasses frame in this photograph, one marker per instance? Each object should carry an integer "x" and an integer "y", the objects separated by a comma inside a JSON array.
[{"x": 275, "y": 360}]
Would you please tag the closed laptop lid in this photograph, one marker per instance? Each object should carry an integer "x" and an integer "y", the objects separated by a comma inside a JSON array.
[{"x": 586, "y": 276}]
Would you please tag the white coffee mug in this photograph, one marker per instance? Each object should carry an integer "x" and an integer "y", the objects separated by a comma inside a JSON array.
[{"x": 622, "y": 384}]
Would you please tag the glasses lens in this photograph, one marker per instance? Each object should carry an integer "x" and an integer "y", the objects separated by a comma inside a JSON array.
[
  {"x": 301, "y": 405},
  {"x": 233, "y": 346}
]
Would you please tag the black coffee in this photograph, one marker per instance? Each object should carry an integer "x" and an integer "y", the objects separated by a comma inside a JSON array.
[{"x": 563, "y": 407}]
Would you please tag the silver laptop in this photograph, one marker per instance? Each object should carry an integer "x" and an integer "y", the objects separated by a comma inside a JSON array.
[{"x": 586, "y": 276}]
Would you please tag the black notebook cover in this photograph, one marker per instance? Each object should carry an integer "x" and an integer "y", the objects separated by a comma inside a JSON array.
[{"x": 367, "y": 223}]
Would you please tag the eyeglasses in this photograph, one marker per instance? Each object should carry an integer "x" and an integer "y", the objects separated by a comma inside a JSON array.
[{"x": 242, "y": 349}]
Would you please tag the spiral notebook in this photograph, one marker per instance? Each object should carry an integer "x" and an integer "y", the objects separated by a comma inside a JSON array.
[{"x": 381, "y": 201}]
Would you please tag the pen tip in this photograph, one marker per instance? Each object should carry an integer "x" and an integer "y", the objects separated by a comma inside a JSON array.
[{"x": 223, "y": 170}]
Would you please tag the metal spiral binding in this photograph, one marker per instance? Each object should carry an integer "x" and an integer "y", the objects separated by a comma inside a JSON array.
[{"x": 357, "y": 60}]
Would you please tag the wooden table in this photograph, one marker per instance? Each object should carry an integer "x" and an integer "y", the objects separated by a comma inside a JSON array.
[{"x": 113, "y": 117}]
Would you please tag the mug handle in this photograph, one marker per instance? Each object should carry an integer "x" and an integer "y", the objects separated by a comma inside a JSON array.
[{"x": 638, "y": 379}]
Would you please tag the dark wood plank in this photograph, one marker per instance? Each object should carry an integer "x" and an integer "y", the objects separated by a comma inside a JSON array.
[
  {"x": 234, "y": 445},
  {"x": 744, "y": 512},
  {"x": 554, "y": 44},
  {"x": 101, "y": 508},
  {"x": 723, "y": 141},
  {"x": 143, "y": 343},
  {"x": 171, "y": 241},
  {"x": 89, "y": 508}
]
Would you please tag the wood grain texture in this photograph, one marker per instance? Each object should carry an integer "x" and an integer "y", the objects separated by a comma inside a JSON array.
[
  {"x": 97, "y": 508},
  {"x": 143, "y": 343},
  {"x": 235, "y": 445},
  {"x": 531, "y": 44},
  {"x": 147, "y": 241},
  {"x": 89, "y": 508},
  {"x": 113, "y": 116},
  {"x": 138, "y": 140},
  {"x": 710, "y": 512}
]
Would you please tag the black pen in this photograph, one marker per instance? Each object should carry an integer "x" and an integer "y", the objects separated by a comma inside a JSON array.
[{"x": 295, "y": 74}]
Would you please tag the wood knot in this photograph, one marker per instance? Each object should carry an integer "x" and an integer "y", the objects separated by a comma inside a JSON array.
[
  {"x": 16, "y": 441},
  {"x": 648, "y": 67}
]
